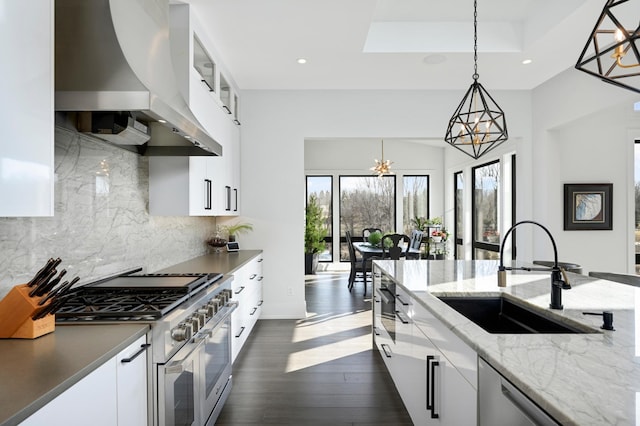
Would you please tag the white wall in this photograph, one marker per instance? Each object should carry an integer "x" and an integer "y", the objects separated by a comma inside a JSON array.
[
  {"x": 274, "y": 127},
  {"x": 583, "y": 133}
]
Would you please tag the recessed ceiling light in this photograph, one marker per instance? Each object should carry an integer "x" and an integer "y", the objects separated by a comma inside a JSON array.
[
  {"x": 302, "y": 61},
  {"x": 162, "y": 121},
  {"x": 526, "y": 62}
]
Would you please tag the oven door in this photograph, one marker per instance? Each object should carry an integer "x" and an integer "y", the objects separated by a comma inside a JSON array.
[
  {"x": 215, "y": 364},
  {"x": 178, "y": 391}
]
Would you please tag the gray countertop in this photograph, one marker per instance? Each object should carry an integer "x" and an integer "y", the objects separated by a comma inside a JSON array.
[
  {"x": 33, "y": 372},
  {"x": 580, "y": 379},
  {"x": 225, "y": 263}
]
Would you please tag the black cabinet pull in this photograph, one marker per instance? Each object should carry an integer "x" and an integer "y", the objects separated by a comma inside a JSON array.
[
  {"x": 240, "y": 290},
  {"x": 235, "y": 207},
  {"x": 226, "y": 108},
  {"x": 207, "y": 194},
  {"x": 375, "y": 331},
  {"x": 228, "y": 193},
  {"x": 143, "y": 348},
  {"x": 386, "y": 350},
  {"x": 206, "y": 83},
  {"x": 431, "y": 385},
  {"x": 253, "y": 276},
  {"x": 254, "y": 310},
  {"x": 399, "y": 299},
  {"x": 236, "y": 121},
  {"x": 241, "y": 331},
  {"x": 260, "y": 260},
  {"x": 261, "y": 277},
  {"x": 260, "y": 303}
]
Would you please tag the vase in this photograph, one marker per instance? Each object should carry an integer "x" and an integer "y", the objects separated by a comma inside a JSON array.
[{"x": 437, "y": 239}]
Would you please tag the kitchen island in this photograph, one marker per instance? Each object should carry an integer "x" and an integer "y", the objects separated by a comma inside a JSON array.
[{"x": 581, "y": 379}]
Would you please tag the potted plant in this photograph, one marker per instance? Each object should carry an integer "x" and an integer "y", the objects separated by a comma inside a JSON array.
[
  {"x": 237, "y": 229},
  {"x": 314, "y": 234}
]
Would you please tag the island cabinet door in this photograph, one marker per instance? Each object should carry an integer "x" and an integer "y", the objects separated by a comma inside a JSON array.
[{"x": 442, "y": 396}]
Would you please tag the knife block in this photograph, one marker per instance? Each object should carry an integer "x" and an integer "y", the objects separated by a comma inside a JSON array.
[{"x": 16, "y": 310}]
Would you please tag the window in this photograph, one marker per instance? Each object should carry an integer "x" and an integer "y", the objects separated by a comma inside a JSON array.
[
  {"x": 485, "y": 202},
  {"x": 365, "y": 202},
  {"x": 322, "y": 188},
  {"x": 458, "y": 232},
  {"x": 204, "y": 65},
  {"x": 415, "y": 200}
]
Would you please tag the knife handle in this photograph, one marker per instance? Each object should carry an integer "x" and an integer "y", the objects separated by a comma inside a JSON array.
[
  {"x": 40, "y": 273},
  {"x": 38, "y": 287}
]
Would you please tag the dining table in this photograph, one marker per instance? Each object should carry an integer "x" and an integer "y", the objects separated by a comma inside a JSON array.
[{"x": 368, "y": 251}]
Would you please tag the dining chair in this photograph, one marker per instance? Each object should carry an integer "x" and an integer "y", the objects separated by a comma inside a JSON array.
[
  {"x": 633, "y": 280},
  {"x": 395, "y": 250},
  {"x": 358, "y": 265},
  {"x": 368, "y": 231},
  {"x": 416, "y": 242}
]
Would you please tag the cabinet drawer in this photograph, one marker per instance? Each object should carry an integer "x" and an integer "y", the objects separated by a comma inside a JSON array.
[{"x": 452, "y": 347}]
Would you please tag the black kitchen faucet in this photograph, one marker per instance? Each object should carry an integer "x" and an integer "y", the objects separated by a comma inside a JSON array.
[{"x": 557, "y": 283}]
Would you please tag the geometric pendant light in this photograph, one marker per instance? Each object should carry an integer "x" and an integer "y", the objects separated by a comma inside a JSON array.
[
  {"x": 478, "y": 125},
  {"x": 612, "y": 52}
]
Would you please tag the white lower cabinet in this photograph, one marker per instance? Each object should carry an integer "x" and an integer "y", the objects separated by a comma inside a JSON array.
[
  {"x": 113, "y": 394},
  {"x": 444, "y": 396},
  {"x": 434, "y": 372},
  {"x": 131, "y": 374},
  {"x": 247, "y": 291}
]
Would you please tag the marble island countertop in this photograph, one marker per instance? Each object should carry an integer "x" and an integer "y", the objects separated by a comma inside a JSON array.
[{"x": 581, "y": 379}]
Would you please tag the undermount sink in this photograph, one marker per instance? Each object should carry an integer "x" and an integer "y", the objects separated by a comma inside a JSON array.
[{"x": 499, "y": 315}]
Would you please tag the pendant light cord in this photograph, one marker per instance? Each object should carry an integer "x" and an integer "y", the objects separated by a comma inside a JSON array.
[{"x": 475, "y": 40}]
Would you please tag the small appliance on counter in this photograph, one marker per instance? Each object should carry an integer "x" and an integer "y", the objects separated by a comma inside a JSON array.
[{"x": 28, "y": 310}]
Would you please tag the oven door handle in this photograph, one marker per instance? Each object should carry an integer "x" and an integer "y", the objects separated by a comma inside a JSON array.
[{"x": 177, "y": 366}]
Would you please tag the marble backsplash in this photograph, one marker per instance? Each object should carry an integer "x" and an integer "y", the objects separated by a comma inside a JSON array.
[{"x": 101, "y": 224}]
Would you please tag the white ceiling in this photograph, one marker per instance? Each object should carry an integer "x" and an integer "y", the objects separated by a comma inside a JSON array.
[{"x": 396, "y": 44}]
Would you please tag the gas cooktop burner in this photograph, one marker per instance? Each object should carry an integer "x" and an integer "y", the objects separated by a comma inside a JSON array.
[{"x": 133, "y": 297}]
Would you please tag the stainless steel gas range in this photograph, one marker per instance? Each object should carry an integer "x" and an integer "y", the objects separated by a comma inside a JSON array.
[{"x": 190, "y": 318}]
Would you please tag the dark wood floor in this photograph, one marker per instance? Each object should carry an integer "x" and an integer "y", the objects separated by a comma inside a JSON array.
[{"x": 320, "y": 370}]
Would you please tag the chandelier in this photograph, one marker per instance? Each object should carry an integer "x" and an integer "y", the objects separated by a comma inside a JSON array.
[
  {"x": 478, "y": 125},
  {"x": 612, "y": 53},
  {"x": 382, "y": 167}
]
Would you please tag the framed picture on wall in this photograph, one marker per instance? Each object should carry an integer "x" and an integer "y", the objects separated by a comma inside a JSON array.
[{"x": 588, "y": 206}]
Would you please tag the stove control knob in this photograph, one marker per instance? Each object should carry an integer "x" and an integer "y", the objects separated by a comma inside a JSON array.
[
  {"x": 202, "y": 316},
  {"x": 180, "y": 333},
  {"x": 188, "y": 326},
  {"x": 211, "y": 309},
  {"x": 195, "y": 323}
]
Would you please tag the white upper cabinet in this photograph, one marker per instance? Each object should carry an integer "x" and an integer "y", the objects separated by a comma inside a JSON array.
[
  {"x": 206, "y": 87},
  {"x": 26, "y": 106},
  {"x": 182, "y": 186}
]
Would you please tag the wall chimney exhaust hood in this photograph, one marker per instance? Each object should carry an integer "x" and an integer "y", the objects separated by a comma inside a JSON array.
[{"x": 113, "y": 65}]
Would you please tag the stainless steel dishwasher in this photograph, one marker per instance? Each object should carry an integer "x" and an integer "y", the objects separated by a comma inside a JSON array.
[{"x": 502, "y": 404}]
